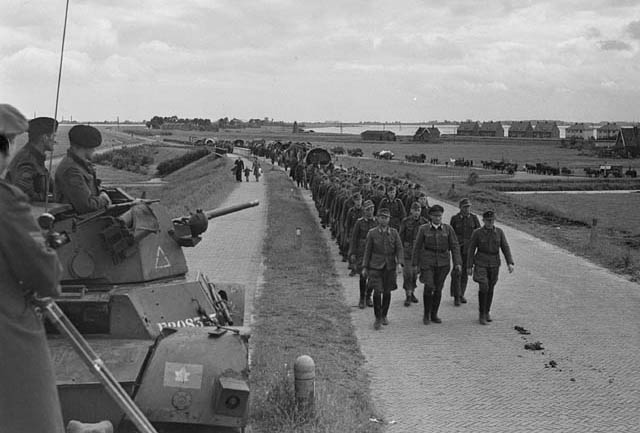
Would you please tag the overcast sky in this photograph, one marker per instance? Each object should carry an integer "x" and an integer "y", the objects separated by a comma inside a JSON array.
[{"x": 575, "y": 60}]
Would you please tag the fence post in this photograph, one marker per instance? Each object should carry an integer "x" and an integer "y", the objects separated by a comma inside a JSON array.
[
  {"x": 593, "y": 236},
  {"x": 304, "y": 372}
]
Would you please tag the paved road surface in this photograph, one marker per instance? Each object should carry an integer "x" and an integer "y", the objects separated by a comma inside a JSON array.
[{"x": 460, "y": 376}]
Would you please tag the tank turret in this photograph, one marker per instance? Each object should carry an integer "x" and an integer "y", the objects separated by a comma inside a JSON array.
[{"x": 168, "y": 341}]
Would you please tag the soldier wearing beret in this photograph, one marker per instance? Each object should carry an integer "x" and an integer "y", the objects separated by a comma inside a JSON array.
[
  {"x": 27, "y": 169},
  {"x": 29, "y": 398},
  {"x": 408, "y": 231},
  {"x": 483, "y": 261},
  {"x": 435, "y": 245},
  {"x": 382, "y": 254},
  {"x": 356, "y": 249},
  {"x": 76, "y": 181},
  {"x": 463, "y": 223}
]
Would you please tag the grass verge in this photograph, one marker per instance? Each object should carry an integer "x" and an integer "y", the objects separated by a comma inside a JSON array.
[{"x": 302, "y": 311}]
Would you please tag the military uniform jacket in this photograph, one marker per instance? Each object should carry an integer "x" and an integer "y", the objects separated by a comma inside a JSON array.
[
  {"x": 29, "y": 399},
  {"x": 382, "y": 249},
  {"x": 396, "y": 208},
  {"x": 359, "y": 235},
  {"x": 76, "y": 184},
  {"x": 27, "y": 171},
  {"x": 485, "y": 246},
  {"x": 433, "y": 245},
  {"x": 408, "y": 231},
  {"x": 464, "y": 227}
]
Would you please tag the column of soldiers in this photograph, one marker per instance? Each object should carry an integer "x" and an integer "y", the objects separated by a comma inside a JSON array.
[
  {"x": 29, "y": 269},
  {"x": 420, "y": 242}
]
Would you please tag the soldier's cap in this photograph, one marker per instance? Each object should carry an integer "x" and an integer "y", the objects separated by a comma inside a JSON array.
[
  {"x": 85, "y": 136},
  {"x": 384, "y": 212},
  {"x": 367, "y": 203},
  {"x": 12, "y": 122},
  {"x": 42, "y": 125},
  {"x": 422, "y": 194},
  {"x": 357, "y": 196},
  {"x": 415, "y": 205},
  {"x": 436, "y": 208},
  {"x": 489, "y": 215},
  {"x": 465, "y": 202}
]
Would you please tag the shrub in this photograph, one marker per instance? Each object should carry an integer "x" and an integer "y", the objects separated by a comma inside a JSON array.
[
  {"x": 171, "y": 165},
  {"x": 127, "y": 158},
  {"x": 472, "y": 179}
]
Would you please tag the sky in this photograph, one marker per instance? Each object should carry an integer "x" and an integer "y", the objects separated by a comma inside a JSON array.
[{"x": 343, "y": 60}]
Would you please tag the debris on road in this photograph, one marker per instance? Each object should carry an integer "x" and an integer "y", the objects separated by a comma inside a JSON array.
[
  {"x": 382, "y": 421},
  {"x": 534, "y": 346},
  {"x": 551, "y": 364},
  {"x": 521, "y": 330}
]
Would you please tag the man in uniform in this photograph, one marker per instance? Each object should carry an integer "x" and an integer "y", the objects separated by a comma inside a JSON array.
[
  {"x": 76, "y": 181},
  {"x": 408, "y": 230},
  {"x": 395, "y": 206},
  {"x": 483, "y": 261},
  {"x": 29, "y": 398},
  {"x": 382, "y": 254},
  {"x": 463, "y": 223},
  {"x": 27, "y": 169},
  {"x": 435, "y": 244},
  {"x": 424, "y": 205},
  {"x": 356, "y": 249}
]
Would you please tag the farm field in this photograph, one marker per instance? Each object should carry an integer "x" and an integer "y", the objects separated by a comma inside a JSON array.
[{"x": 613, "y": 211}]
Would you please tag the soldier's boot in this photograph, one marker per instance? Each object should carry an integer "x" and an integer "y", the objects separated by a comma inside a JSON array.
[
  {"x": 386, "y": 302},
  {"x": 368, "y": 297},
  {"x": 463, "y": 289},
  {"x": 426, "y": 301},
  {"x": 413, "y": 298},
  {"x": 407, "y": 301},
  {"x": 482, "y": 296},
  {"x": 363, "y": 291},
  {"x": 377, "y": 310},
  {"x": 487, "y": 307},
  {"x": 435, "y": 304}
]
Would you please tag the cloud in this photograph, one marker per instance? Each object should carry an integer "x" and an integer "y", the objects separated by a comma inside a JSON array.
[
  {"x": 633, "y": 28},
  {"x": 592, "y": 32},
  {"x": 614, "y": 45}
]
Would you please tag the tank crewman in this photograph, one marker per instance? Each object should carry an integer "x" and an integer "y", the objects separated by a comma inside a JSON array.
[
  {"x": 75, "y": 178},
  {"x": 408, "y": 231},
  {"x": 483, "y": 261},
  {"x": 395, "y": 206},
  {"x": 463, "y": 223},
  {"x": 356, "y": 250},
  {"x": 435, "y": 244},
  {"x": 29, "y": 398},
  {"x": 27, "y": 169},
  {"x": 382, "y": 255}
]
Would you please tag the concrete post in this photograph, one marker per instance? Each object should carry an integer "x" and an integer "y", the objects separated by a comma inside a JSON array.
[
  {"x": 593, "y": 236},
  {"x": 298, "y": 239},
  {"x": 304, "y": 371}
]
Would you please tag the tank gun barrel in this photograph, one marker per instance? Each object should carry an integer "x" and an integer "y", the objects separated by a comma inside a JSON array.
[{"x": 210, "y": 214}]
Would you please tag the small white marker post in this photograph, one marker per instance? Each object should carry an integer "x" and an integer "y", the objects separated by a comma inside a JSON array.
[{"x": 304, "y": 372}]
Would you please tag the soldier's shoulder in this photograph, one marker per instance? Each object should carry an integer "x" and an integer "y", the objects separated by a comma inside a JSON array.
[{"x": 10, "y": 193}]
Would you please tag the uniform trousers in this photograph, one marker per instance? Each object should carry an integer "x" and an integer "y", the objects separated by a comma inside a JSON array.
[
  {"x": 459, "y": 279},
  {"x": 382, "y": 282},
  {"x": 433, "y": 279},
  {"x": 486, "y": 277}
]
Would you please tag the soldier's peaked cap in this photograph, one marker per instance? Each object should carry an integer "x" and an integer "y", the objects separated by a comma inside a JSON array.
[
  {"x": 465, "y": 202},
  {"x": 367, "y": 203},
  {"x": 436, "y": 208},
  {"x": 85, "y": 136},
  {"x": 384, "y": 212},
  {"x": 42, "y": 125},
  {"x": 489, "y": 214}
]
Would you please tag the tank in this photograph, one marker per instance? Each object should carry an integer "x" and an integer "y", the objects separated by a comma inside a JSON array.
[{"x": 177, "y": 346}]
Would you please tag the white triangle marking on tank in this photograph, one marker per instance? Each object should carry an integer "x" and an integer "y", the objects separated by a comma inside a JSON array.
[{"x": 162, "y": 261}]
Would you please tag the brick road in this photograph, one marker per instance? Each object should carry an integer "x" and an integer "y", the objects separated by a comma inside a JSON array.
[{"x": 460, "y": 376}]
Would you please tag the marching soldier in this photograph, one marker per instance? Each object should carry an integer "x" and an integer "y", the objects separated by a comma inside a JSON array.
[
  {"x": 382, "y": 254},
  {"x": 395, "y": 206},
  {"x": 483, "y": 261},
  {"x": 408, "y": 230},
  {"x": 435, "y": 244},
  {"x": 463, "y": 223},
  {"x": 27, "y": 169},
  {"x": 76, "y": 181},
  {"x": 424, "y": 205},
  {"x": 356, "y": 250},
  {"x": 29, "y": 398}
]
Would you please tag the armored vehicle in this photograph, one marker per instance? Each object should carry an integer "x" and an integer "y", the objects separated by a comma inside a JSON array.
[{"x": 175, "y": 345}]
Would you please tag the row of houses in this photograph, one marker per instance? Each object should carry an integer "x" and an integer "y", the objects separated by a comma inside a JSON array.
[{"x": 523, "y": 129}]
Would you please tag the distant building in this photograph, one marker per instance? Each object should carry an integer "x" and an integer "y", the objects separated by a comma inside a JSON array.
[
  {"x": 378, "y": 136},
  {"x": 491, "y": 129},
  {"x": 546, "y": 129},
  {"x": 608, "y": 131},
  {"x": 469, "y": 128},
  {"x": 426, "y": 134},
  {"x": 580, "y": 130},
  {"x": 521, "y": 130},
  {"x": 628, "y": 142}
]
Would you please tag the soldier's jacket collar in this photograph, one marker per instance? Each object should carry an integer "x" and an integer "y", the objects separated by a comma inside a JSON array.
[{"x": 83, "y": 162}]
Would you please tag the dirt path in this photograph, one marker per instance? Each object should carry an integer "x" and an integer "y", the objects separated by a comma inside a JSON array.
[{"x": 460, "y": 376}]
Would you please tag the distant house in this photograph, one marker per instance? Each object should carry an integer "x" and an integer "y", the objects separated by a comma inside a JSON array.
[
  {"x": 491, "y": 129},
  {"x": 580, "y": 130},
  {"x": 628, "y": 142},
  {"x": 521, "y": 129},
  {"x": 378, "y": 136},
  {"x": 608, "y": 131},
  {"x": 426, "y": 134},
  {"x": 468, "y": 128},
  {"x": 546, "y": 129}
]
